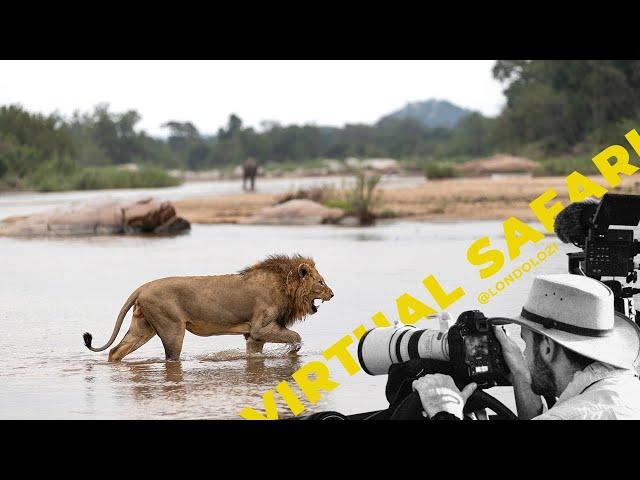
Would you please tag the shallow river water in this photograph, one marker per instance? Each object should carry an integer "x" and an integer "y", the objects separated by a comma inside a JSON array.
[{"x": 51, "y": 291}]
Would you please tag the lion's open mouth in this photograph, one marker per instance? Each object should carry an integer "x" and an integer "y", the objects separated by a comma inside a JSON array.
[{"x": 314, "y": 307}]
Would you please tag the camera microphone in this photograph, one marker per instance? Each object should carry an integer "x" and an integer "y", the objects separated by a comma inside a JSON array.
[{"x": 573, "y": 222}]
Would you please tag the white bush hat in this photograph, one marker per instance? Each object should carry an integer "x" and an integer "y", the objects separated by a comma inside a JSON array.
[{"x": 577, "y": 312}]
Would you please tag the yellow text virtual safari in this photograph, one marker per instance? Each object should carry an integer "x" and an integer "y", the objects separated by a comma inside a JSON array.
[{"x": 314, "y": 377}]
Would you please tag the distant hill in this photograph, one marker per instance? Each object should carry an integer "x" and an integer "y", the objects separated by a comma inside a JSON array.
[{"x": 433, "y": 113}]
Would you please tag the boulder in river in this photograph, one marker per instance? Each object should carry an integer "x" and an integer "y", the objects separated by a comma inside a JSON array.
[
  {"x": 295, "y": 212},
  {"x": 103, "y": 217}
]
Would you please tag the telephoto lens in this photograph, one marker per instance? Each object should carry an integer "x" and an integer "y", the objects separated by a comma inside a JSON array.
[{"x": 379, "y": 348}]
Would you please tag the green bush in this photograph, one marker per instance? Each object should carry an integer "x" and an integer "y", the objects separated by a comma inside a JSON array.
[
  {"x": 561, "y": 166},
  {"x": 440, "y": 170},
  {"x": 361, "y": 199},
  {"x": 20, "y": 160},
  {"x": 100, "y": 178},
  {"x": 387, "y": 213},
  {"x": 337, "y": 203}
]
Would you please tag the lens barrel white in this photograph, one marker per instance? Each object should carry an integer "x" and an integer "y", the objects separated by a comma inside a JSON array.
[
  {"x": 431, "y": 344},
  {"x": 380, "y": 348},
  {"x": 377, "y": 348},
  {"x": 402, "y": 345}
]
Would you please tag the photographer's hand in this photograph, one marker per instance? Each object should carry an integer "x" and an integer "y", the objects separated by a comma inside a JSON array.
[
  {"x": 513, "y": 356},
  {"x": 438, "y": 393},
  {"x": 528, "y": 404}
]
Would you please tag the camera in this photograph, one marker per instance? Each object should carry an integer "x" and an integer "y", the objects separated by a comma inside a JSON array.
[
  {"x": 607, "y": 252},
  {"x": 610, "y": 252},
  {"x": 470, "y": 347}
]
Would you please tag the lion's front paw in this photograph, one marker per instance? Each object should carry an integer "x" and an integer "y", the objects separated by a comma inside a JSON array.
[{"x": 294, "y": 348}]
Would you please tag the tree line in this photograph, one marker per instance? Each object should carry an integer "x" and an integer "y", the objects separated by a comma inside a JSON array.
[{"x": 553, "y": 108}]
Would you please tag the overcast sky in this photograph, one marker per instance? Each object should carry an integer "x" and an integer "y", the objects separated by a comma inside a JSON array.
[{"x": 205, "y": 92}]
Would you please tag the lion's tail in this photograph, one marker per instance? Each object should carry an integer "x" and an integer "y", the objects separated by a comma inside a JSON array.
[{"x": 123, "y": 312}]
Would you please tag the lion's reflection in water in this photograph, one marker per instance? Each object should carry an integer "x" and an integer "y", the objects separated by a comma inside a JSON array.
[{"x": 216, "y": 386}]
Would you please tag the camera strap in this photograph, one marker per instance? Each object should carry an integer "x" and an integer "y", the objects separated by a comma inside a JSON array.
[{"x": 565, "y": 327}]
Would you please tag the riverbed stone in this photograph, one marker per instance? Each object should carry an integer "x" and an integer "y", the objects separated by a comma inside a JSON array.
[
  {"x": 102, "y": 217},
  {"x": 295, "y": 212}
]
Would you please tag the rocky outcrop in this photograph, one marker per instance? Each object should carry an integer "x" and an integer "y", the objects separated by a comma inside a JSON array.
[
  {"x": 103, "y": 217},
  {"x": 295, "y": 212}
]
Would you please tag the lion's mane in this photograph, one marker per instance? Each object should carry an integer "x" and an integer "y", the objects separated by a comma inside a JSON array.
[{"x": 296, "y": 289}]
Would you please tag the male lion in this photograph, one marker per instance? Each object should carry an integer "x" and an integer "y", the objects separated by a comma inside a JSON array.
[{"x": 260, "y": 302}]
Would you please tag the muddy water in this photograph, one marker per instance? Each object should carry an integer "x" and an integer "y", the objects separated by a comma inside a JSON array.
[{"x": 51, "y": 291}]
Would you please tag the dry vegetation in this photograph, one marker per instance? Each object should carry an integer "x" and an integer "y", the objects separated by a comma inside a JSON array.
[{"x": 450, "y": 199}]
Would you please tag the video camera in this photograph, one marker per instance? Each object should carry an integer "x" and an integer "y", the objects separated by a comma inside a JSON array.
[
  {"x": 470, "y": 346},
  {"x": 606, "y": 252}
]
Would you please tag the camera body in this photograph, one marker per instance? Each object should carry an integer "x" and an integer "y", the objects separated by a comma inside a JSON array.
[
  {"x": 610, "y": 253},
  {"x": 469, "y": 347},
  {"x": 474, "y": 351}
]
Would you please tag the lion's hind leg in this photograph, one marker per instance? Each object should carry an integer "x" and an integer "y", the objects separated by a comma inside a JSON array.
[
  {"x": 140, "y": 332},
  {"x": 167, "y": 323}
]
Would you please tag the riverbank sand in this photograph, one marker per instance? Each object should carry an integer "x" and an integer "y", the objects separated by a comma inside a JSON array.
[{"x": 435, "y": 200}]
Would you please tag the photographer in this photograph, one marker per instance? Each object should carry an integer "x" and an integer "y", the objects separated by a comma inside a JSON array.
[{"x": 577, "y": 349}]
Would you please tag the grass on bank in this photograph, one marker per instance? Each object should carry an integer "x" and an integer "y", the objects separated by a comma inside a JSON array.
[
  {"x": 54, "y": 177},
  {"x": 360, "y": 200},
  {"x": 564, "y": 165},
  {"x": 435, "y": 171}
]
